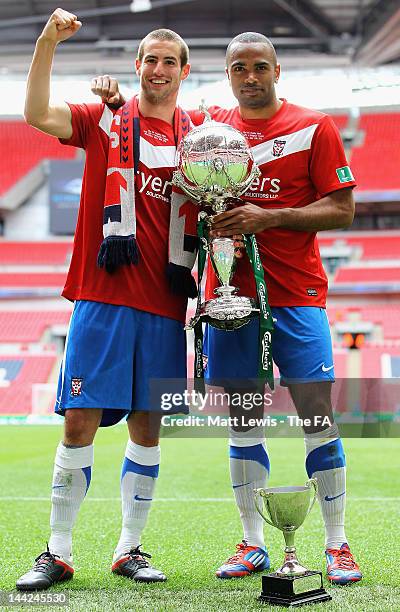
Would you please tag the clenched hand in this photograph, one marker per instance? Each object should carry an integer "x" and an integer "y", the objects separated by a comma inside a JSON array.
[
  {"x": 107, "y": 88},
  {"x": 61, "y": 26}
]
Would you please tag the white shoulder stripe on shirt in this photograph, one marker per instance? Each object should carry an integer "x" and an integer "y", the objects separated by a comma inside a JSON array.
[
  {"x": 295, "y": 142},
  {"x": 106, "y": 120},
  {"x": 157, "y": 156}
]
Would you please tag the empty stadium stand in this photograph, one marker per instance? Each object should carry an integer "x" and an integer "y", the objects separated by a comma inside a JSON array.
[
  {"x": 24, "y": 148},
  {"x": 374, "y": 274},
  {"x": 388, "y": 316},
  {"x": 21, "y": 372},
  {"x": 32, "y": 279},
  {"x": 29, "y": 326},
  {"x": 35, "y": 253},
  {"x": 375, "y": 163},
  {"x": 369, "y": 245}
]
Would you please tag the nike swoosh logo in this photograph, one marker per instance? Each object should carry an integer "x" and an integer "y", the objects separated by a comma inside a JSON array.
[
  {"x": 336, "y": 496},
  {"x": 325, "y": 369},
  {"x": 240, "y": 485},
  {"x": 143, "y": 498}
]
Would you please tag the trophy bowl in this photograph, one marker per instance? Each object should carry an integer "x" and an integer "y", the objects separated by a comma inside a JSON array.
[
  {"x": 286, "y": 509},
  {"x": 215, "y": 167}
]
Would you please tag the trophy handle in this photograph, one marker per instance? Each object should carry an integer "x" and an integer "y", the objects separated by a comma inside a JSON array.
[
  {"x": 312, "y": 483},
  {"x": 203, "y": 108},
  {"x": 257, "y": 493}
]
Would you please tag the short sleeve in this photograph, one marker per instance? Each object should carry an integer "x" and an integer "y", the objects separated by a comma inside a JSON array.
[
  {"x": 329, "y": 169},
  {"x": 84, "y": 118}
]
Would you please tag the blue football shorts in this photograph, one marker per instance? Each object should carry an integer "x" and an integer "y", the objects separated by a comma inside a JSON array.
[
  {"x": 301, "y": 348},
  {"x": 114, "y": 357}
]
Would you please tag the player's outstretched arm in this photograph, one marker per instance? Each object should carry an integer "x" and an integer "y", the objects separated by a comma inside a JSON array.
[
  {"x": 54, "y": 120},
  {"x": 108, "y": 89}
]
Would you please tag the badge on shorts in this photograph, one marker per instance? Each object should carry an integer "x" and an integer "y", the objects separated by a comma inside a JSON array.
[{"x": 76, "y": 386}]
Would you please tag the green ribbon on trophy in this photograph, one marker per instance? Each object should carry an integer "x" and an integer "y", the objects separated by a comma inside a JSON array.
[
  {"x": 265, "y": 363},
  {"x": 202, "y": 233}
]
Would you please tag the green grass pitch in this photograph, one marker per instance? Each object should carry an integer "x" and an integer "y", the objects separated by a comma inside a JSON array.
[{"x": 193, "y": 525}]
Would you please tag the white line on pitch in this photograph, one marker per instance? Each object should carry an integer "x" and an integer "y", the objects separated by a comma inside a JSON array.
[{"x": 187, "y": 499}]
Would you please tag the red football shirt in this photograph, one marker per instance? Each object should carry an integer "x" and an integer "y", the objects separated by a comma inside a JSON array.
[
  {"x": 143, "y": 286},
  {"x": 300, "y": 154}
]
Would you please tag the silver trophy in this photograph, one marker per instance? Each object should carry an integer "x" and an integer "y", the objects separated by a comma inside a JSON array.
[
  {"x": 215, "y": 167},
  {"x": 286, "y": 508}
]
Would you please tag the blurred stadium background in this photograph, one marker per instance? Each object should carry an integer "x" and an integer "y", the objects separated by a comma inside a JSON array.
[{"x": 339, "y": 56}]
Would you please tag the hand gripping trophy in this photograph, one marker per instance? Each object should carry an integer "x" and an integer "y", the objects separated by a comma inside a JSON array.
[
  {"x": 215, "y": 167},
  {"x": 291, "y": 585}
]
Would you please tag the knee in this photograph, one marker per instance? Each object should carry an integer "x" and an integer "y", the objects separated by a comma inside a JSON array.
[
  {"x": 80, "y": 426},
  {"x": 144, "y": 428}
]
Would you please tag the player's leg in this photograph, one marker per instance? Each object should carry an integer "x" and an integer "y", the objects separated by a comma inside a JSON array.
[
  {"x": 71, "y": 479},
  {"x": 86, "y": 383},
  {"x": 160, "y": 353},
  {"x": 231, "y": 361},
  {"x": 138, "y": 480},
  {"x": 303, "y": 352}
]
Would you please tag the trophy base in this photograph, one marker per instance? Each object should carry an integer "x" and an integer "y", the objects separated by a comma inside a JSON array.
[
  {"x": 293, "y": 591},
  {"x": 229, "y": 312}
]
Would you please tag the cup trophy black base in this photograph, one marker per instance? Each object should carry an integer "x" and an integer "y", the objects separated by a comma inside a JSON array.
[{"x": 292, "y": 591}]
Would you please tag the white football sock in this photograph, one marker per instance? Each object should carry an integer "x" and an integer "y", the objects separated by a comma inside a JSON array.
[
  {"x": 325, "y": 461},
  {"x": 249, "y": 467},
  {"x": 71, "y": 479},
  {"x": 138, "y": 479}
]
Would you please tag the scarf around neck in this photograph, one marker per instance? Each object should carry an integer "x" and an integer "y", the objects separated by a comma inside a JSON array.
[{"x": 119, "y": 246}]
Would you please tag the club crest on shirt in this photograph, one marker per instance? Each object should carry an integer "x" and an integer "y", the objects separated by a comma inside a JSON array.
[
  {"x": 76, "y": 386},
  {"x": 205, "y": 361},
  {"x": 277, "y": 147}
]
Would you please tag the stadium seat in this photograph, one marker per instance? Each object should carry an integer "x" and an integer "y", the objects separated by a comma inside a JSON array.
[
  {"x": 22, "y": 373},
  {"x": 28, "y": 326},
  {"x": 376, "y": 162},
  {"x": 26, "y": 147},
  {"x": 35, "y": 253}
]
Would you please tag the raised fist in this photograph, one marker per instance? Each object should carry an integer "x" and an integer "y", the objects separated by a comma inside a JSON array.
[{"x": 61, "y": 26}]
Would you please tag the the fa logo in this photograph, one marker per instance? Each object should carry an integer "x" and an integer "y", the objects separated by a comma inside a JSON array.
[
  {"x": 277, "y": 147},
  {"x": 205, "y": 361},
  {"x": 76, "y": 386}
]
